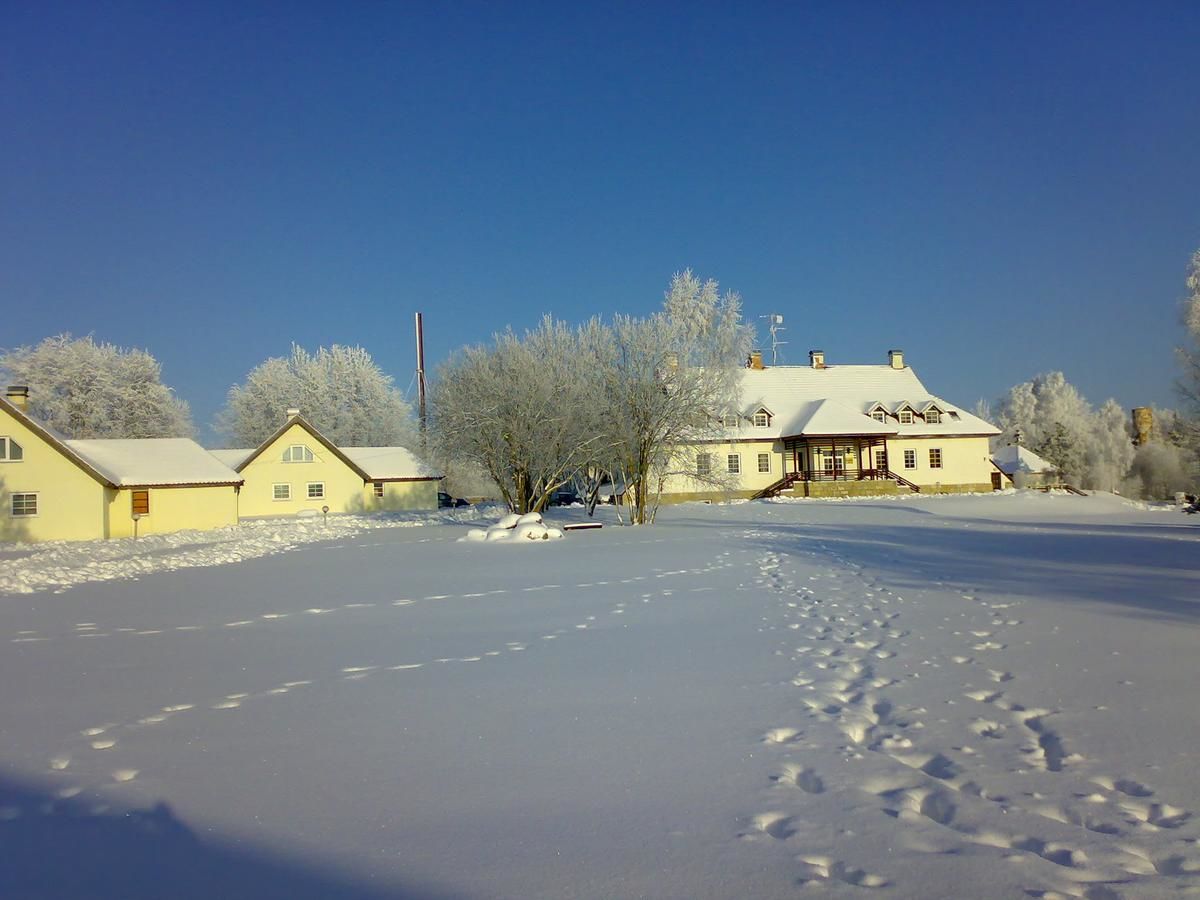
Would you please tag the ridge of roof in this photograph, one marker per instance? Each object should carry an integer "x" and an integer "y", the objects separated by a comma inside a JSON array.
[{"x": 312, "y": 430}]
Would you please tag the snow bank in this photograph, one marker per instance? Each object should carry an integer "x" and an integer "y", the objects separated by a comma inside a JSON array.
[{"x": 58, "y": 565}]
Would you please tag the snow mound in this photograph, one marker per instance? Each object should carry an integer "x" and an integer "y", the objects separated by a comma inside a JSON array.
[{"x": 515, "y": 529}]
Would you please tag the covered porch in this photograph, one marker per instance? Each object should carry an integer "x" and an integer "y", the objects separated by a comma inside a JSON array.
[{"x": 837, "y": 458}]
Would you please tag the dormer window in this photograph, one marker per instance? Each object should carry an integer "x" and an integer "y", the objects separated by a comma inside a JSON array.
[
  {"x": 297, "y": 453},
  {"x": 905, "y": 416},
  {"x": 761, "y": 418},
  {"x": 878, "y": 415},
  {"x": 730, "y": 420},
  {"x": 933, "y": 417}
]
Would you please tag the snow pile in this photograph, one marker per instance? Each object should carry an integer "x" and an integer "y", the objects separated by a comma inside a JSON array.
[
  {"x": 516, "y": 529},
  {"x": 58, "y": 565}
]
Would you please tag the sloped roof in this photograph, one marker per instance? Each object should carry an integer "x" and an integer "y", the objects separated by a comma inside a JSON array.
[
  {"x": 825, "y": 418},
  {"x": 389, "y": 463},
  {"x": 232, "y": 458},
  {"x": 1013, "y": 459},
  {"x": 316, "y": 435},
  {"x": 154, "y": 461},
  {"x": 853, "y": 391},
  {"x": 53, "y": 440}
]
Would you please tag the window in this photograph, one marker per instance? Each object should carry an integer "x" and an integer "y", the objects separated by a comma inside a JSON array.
[
  {"x": 933, "y": 417},
  {"x": 316, "y": 490},
  {"x": 910, "y": 459},
  {"x": 730, "y": 420},
  {"x": 379, "y": 489},
  {"x": 141, "y": 503},
  {"x": 24, "y": 504},
  {"x": 297, "y": 453},
  {"x": 764, "y": 462},
  {"x": 935, "y": 458},
  {"x": 906, "y": 417},
  {"x": 703, "y": 463},
  {"x": 10, "y": 450},
  {"x": 833, "y": 461},
  {"x": 881, "y": 460},
  {"x": 761, "y": 419},
  {"x": 879, "y": 415},
  {"x": 734, "y": 463},
  {"x": 281, "y": 491}
]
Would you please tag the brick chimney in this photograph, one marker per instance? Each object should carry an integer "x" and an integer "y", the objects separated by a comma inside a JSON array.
[
  {"x": 896, "y": 359},
  {"x": 1143, "y": 425},
  {"x": 18, "y": 396},
  {"x": 755, "y": 360},
  {"x": 292, "y": 413},
  {"x": 816, "y": 359}
]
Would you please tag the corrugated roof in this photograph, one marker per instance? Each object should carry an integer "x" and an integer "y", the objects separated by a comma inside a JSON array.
[
  {"x": 794, "y": 393},
  {"x": 384, "y": 463},
  {"x": 153, "y": 461}
]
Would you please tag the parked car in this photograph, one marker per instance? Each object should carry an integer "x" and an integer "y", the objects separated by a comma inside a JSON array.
[
  {"x": 564, "y": 497},
  {"x": 445, "y": 501}
]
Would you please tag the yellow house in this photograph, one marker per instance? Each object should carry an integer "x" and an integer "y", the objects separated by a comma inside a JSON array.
[
  {"x": 823, "y": 430},
  {"x": 55, "y": 489},
  {"x": 297, "y": 470}
]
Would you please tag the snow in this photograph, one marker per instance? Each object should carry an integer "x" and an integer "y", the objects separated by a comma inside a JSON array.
[
  {"x": 838, "y": 400},
  {"x": 982, "y": 696},
  {"x": 152, "y": 461},
  {"x": 388, "y": 463},
  {"x": 1014, "y": 458}
]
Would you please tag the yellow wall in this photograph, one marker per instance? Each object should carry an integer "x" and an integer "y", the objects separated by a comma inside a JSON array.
[
  {"x": 966, "y": 461},
  {"x": 173, "y": 509},
  {"x": 71, "y": 503},
  {"x": 401, "y": 495},
  {"x": 343, "y": 486},
  {"x": 750, "y": 478}
]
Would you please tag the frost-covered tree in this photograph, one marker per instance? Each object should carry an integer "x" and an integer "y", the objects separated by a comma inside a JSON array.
[
  {"x": 1188, "y": 428},
  {"x": 518, "y": 410},
  {"x": 84, "y": 389},
  {"x": 1092, "y": 449},
  {"x": 666, "y": 380},
  {"x": 339, "y": 389}
]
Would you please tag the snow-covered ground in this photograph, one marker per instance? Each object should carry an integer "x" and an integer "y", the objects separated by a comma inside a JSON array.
[{"x": 983, "y": 696}]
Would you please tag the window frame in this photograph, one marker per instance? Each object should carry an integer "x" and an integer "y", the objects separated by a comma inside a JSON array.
[
  {"x": 933, "y": 417},
  {"x": 881, "y": 458},
  {"x": 315, "y": 484},
  {"x": 377, "y": 489},
  {"x": 7, "y": 444},
  {"x": 905, "y": 416},
  {"x": 879, "y": 415},
  {"x": 733, "y": 463},
  {"x": 935, "y": 462},
  {"x": 764, "y": 416},
  {"x": 731, "y": 420},
  {"x": 22, "y": 497},
  {"x": 133, "y": 502},
  {"x": 703, "y": 464},
  {"x": 910, "y": 459},
  {"x": 306, "y": 454},
  {"x": 764, "y": 463},
  {"x": 275, "y": 491}
]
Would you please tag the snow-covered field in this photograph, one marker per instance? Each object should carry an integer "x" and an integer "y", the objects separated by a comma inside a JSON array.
[{"x": 986, "y": 696}]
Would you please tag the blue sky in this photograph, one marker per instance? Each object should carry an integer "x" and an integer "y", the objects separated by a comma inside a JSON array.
[{"x": 999, "y": 189}]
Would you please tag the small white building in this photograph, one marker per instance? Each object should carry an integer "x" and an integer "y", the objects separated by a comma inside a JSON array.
[{"x": 840, "y": 430}]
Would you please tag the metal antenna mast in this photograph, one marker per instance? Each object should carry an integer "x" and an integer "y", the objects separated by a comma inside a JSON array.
[{"x": 775, "y": 321}]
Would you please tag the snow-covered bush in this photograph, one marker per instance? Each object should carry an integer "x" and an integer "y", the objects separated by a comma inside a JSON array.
[{"x": 515, "y": 528}]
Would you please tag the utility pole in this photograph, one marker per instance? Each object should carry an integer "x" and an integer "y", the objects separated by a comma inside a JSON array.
[{"x": 421, "y": 380}]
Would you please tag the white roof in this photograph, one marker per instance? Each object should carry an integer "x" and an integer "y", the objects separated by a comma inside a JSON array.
[
  {"x": 838, "y": 400},
  {"x": 1011, "y": 460},
  {"x": 152, "y": 461},
  {"x": 384, "y": 463},
  {"x": 232, "y": 458}
]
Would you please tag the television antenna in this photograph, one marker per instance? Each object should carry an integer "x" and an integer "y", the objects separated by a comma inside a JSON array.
[{"x": 775, "y": 324}]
